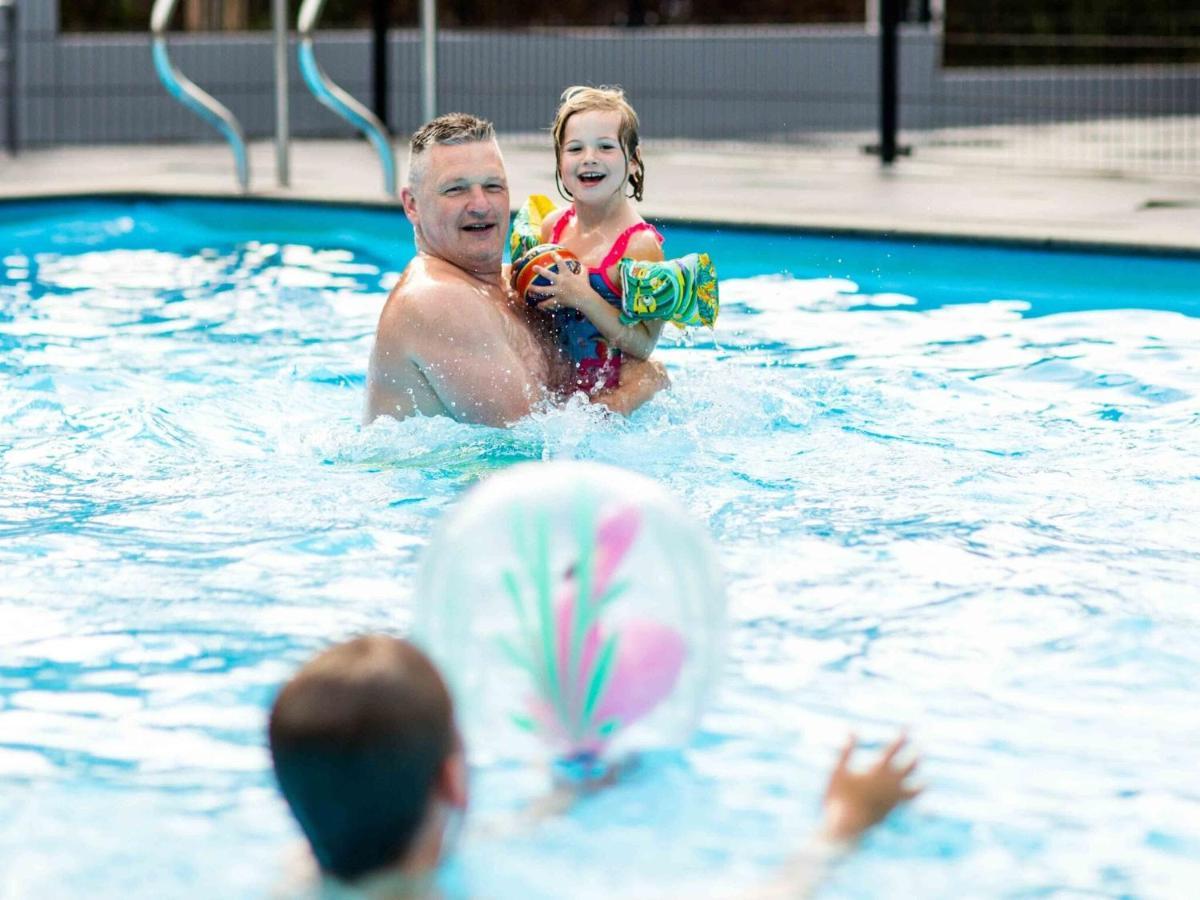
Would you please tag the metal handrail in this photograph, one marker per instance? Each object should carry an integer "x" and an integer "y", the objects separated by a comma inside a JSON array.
[
  {"x": 336, "y": 99},
  {"x": 186, "y": 92},
  {"x": 279, "y": 20},
  {"x": 9, "y": 58},
  {"x": 428, "y": 59}
]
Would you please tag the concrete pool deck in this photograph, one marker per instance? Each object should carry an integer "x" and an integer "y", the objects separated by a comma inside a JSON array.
[{"x": 724, "y": 183}]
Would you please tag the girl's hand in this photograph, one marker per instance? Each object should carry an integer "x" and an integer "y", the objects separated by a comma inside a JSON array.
[{"x": 568, "y": 287}]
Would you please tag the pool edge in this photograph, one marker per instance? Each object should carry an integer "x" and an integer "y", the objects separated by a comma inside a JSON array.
[{"x": 985, "y": 238}]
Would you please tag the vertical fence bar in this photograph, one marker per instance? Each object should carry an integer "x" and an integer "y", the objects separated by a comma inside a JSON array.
[
  {"x": 282, "y": 169},
  {"x": 889, "y": 14},
  {"x": 9, "y": 8},
  {"x": 428, "y": 59},
  {"x": 379, "y": 62}
]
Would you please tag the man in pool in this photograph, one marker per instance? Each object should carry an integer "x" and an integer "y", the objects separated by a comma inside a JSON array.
[
  {"x": 453, "y": 339},
  {"x": 369, "y": 759}
]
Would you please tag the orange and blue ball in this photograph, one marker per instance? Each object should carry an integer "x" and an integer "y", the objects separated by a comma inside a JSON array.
[{"x": 526, "y": 279}]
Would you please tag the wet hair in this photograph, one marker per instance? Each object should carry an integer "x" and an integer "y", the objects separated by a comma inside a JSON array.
[
  {"x": 580, "y": 98},
  {"x": 359, "y": 737},
  {"x": 445, "y": 130}
]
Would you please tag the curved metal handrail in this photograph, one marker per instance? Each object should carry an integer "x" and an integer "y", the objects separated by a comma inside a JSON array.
[
  {"x": 336, "y": 99},
  {"x": 186, "y": 92}
]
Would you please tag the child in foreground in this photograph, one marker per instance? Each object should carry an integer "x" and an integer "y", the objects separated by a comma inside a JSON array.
[
  {"x": 369, "y": 759},
  {"x": 611, "y": 307}
]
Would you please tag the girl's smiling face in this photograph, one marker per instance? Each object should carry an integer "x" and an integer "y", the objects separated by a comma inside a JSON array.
[{"x": 593, "y": 164}]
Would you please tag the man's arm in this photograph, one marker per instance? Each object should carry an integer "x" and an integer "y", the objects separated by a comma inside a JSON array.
[
  {"x": 480, "y": 365},
  {"x": 395, "y": 386},
  {"x": 641, "y": 379}
]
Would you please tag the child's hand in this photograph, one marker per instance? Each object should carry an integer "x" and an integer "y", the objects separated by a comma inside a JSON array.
[
  {"x": 854, "y": 801},
  {"x": 568, "y": 287}
]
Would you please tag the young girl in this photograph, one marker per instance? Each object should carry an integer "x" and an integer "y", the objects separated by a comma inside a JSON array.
[{"x": 599, "y": 168}]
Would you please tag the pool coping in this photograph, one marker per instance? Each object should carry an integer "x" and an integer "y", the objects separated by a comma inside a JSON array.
[
  {"x": 935, "y": 236},
  {"x": 785, "y": 189}
]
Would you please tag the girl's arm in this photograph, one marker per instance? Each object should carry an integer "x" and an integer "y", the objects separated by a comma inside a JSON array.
[
  {"x": 549, "y": 222},
  {"x": 575, "y": 291}
]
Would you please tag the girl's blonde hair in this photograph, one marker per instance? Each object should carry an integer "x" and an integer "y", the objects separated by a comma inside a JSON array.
[{"x": 580, "y": 98}]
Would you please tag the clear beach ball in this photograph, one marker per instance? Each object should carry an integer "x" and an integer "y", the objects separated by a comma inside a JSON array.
[{"x": 577, "y": 612}]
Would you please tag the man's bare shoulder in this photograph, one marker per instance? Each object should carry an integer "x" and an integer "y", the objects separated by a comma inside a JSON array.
[
  {"x": 426, "y": 279},
  {"x": 433, "y": 292}
]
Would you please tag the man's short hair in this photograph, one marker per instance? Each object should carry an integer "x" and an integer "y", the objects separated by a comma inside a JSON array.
[
  {"x": 358, "y": 739},
  {"x": 445, "y": 130}
]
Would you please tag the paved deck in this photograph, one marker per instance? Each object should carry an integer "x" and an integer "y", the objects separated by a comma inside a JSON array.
[{"x": 722, "y": 183}]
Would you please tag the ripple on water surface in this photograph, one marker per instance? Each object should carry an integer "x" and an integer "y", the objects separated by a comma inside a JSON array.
[{"x": 967, "y": 512}]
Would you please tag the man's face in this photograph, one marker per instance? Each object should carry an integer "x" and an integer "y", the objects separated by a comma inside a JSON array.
[{"x": 459, "y": 206}]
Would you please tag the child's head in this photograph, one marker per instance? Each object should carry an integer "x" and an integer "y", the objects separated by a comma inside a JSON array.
[
  {"x": 363, "y": 742},
  {"x": 580, "y": 99}
]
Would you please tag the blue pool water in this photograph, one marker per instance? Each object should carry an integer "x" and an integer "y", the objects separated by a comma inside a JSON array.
[{"x": 953, "y": 487}]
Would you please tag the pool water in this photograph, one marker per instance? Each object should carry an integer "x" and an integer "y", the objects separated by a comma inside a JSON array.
[{"x": 954, "y": 487}]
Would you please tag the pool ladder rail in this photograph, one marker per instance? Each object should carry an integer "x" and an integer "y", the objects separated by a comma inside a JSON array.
[
  {"x": 327, "y": 92},
  {"x": 339, "y": 101},
  {"x": 192, "y": 96}
]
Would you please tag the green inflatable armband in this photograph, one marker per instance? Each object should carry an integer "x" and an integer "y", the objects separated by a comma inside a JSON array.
[{"x": 682, "y": 291}]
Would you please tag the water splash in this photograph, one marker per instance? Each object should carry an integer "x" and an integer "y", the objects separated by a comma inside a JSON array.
[{"x": 961, "y": 516}]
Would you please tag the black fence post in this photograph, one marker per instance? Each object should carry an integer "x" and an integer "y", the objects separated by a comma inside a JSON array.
[
  {"x": 13, "y": 43},
  {"x": 379, "y": 61},
  {"x": 889, "y": 58},
  {"x": 8, "y": 56}
]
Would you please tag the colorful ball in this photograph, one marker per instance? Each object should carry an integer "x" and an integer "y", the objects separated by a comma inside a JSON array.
[
  {"x": 576, "y": 611},
  {"x": 525, "y": 280}
]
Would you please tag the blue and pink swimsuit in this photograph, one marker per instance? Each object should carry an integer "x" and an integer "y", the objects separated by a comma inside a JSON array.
[{"x": 596, "y": 364}]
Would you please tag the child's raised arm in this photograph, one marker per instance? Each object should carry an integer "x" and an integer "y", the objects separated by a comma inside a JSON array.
[{"x": 854, "y": 802}]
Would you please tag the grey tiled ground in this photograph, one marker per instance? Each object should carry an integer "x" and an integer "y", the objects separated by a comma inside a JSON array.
[{"x": 927, "y": 193}]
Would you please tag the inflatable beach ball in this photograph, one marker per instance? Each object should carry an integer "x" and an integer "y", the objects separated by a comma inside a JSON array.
[
  {"x": 576, "y": 611},
  {"x": 525, "y": 280}
]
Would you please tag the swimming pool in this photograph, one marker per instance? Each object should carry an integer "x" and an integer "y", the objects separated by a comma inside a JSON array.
[{"x": 954, "y": 486}]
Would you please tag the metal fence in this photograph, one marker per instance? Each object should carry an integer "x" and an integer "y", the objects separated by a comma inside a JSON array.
[
  {"x": 1142, "y": 116},
  {"x": 804, "y": 87},
  {"x": 791, "y": 84}
]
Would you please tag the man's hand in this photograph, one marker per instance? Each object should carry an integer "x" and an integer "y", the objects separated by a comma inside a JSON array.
[
  {"x": 640, "y": 380},
  {"x": 854, "y": 801}
]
